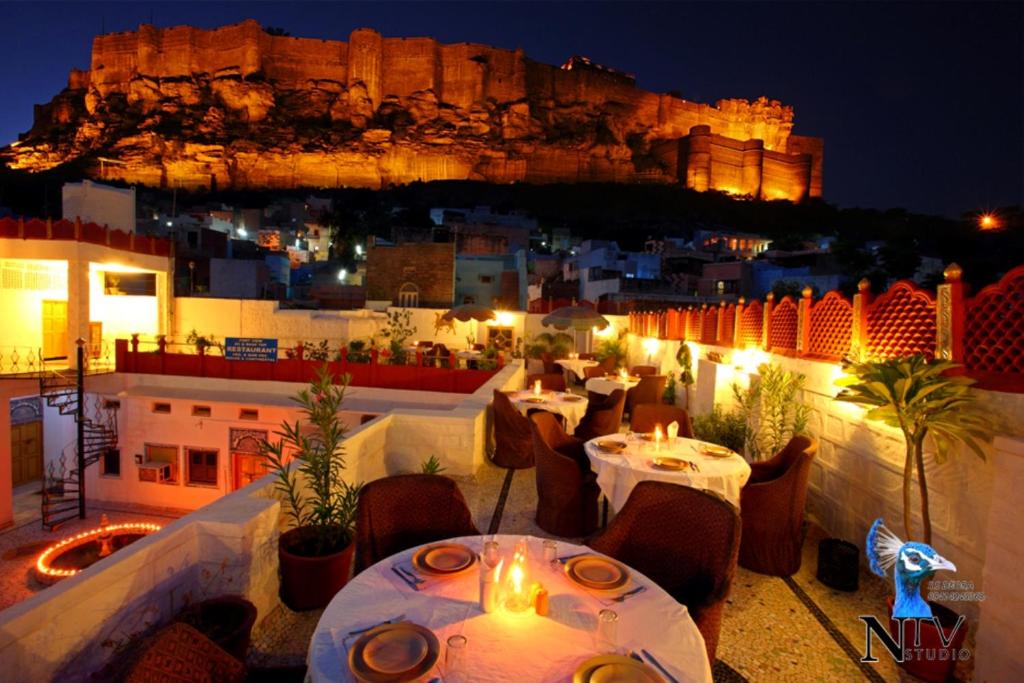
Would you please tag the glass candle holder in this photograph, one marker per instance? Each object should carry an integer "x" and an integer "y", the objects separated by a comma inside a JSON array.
[
  {"x": 455, "y": 656},
  {"x": 550, "y": 551},
  {"x": 517, "y": 585},
  {"x": 491, "y": 553},
  {"x": 607, "y": 631}
]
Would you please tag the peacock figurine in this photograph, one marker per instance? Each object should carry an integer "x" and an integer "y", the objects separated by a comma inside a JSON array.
[{"x": 912, "y": 563}]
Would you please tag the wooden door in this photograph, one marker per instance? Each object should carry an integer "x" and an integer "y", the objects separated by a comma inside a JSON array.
[
  {"x": 95, "y": 339},
  {"x": 55, "y": 329},
  {"x": 26, "y": 452},
  {"x": 248, "y": 468}
]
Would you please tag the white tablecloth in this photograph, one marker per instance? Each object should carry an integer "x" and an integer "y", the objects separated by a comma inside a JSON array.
[
  {"x": 577, "y": 366},
  {"x": 603, "y": 385},
  {"x": 505, "y": 647},
  {"x": 554, "y": 402},
  {"x": 618, "y": 473}
]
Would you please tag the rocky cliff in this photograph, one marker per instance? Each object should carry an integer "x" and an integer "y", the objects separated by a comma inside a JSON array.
[{"x": 237, "y": 107}]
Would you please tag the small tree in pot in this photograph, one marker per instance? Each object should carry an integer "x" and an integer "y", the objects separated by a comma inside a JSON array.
[{"x": 316, "y": 554}]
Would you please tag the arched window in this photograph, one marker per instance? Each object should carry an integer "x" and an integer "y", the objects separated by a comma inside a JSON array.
[{"x": 409, "y": 295}]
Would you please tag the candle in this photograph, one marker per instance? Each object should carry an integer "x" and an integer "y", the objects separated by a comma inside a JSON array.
[
  {"x": 536, "y": 388},
  {"x": 657, "y": 437},
  {"x": 517, "y": 593},
  {"x": 623, "y": 374}
]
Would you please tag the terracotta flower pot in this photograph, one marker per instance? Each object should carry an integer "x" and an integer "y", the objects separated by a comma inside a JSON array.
[
  {"x": 939, "y": 667},
  {"x": 226, "y": 620},
  {"x": 309, "y": 582}
]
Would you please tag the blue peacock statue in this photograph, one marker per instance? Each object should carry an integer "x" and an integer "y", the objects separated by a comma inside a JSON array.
[{"x": 912, "y": 563}]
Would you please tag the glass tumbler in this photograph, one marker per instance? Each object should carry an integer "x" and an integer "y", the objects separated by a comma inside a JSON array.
[
  {"x": 607, "y": 631},
  {"x": 455, "y": 658},
  {"x": 550, "y": 552}
]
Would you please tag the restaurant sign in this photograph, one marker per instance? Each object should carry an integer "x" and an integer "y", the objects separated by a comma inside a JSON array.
[{"x": 250, "y": 348}]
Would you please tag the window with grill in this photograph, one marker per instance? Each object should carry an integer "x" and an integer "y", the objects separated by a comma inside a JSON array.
[
  {"x": 202, "y": 467},
  {"x": 111, "y": 462}
]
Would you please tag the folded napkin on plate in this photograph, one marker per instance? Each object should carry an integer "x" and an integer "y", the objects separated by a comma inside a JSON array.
[{"x": 672, "y": 430}]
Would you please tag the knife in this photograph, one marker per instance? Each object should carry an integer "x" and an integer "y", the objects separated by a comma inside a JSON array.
[
  {"x": 404, "y": 579},
  {"x": 657, "y": 664}
]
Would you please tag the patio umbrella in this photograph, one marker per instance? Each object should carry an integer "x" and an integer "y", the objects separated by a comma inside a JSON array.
[
  {"x": 467, "y": 312},
  {"x": 579, "y": 318}
]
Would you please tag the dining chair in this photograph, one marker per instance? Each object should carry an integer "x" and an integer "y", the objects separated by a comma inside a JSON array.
[
  {"x": 646, "y": 415},
  {"x": 567, "y": 489},
  {"x": 513, "y": 438},
  {"x": 180, "y": 652},
  {"x": 772, "y": 507},
  {"x": 604, "y": 367},
  {"x": 553, "y": 381},
  {"x": 648, "y": 390},
  {"x": 684, "y": 540},
  {"x": 587, "y": 356},
  {"x": 406, "y": 510},
  {"x": 643, "y": 370},
  {"x": 603, "y": 415},
  {"x": 550, "y": 366}
]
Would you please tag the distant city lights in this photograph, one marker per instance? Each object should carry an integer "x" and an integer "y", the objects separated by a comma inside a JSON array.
[
  {"x": 989, "y": 221},
  {"x": 242, "y": 232},
  {"x": 342, "y": 274},
  {"x": 359, "y": 250}
]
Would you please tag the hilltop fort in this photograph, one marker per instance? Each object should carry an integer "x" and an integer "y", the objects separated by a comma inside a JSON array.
[{"x": 238, "y": 107}]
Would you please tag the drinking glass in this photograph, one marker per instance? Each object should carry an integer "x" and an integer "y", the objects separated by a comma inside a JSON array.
[
  {"x": 455, "y": 657},
  {"x": 550, "y": 552},
  {"x": 607, "y": 631},
  {"x": 491, "y": 554}
]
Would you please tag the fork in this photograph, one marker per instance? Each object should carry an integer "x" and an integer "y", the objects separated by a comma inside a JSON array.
[
  {"x": 370, "y": 628},
  {"x": 628, "y": 594},
  {"x": 412, "y": 577}
]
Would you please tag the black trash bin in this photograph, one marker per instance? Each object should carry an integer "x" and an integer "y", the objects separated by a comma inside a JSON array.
[{"x": 839, "y": 564}]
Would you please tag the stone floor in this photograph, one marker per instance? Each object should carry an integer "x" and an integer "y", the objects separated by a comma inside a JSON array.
[
  {"x": 775, "y": 629},
  {"x": 22, "y": 542}
]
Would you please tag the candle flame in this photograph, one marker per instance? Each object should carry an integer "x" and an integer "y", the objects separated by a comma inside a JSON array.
[{"x": 657, "y": 432}]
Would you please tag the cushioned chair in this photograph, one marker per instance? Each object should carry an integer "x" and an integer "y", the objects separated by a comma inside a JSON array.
[
  {"x": 605, "y": 367},
  {"x": 181, "y": 653},
  {"x": 587, "y": 356},
  {"x": 603, "y": 415},
  {"x": 553, "y": 381},
  {"x": 437, "y": 355},
  {"x": 646, "y": 415},
  {"x": 683, "y": 539},
  {"x": 772, "y": 505},
  {"x": 649, "y": 390},
  {"x": 643, "y": 370},
  {"x": 513, "y": 438},
  {"x": 400, "y": 512},
  {"x": 550, "y": 366},
  {"x": 566, "y": 487}
]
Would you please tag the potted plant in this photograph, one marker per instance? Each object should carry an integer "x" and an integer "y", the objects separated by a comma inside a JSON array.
[
  {"x": 668, "y": 397},
  {"x": 921, "y": 398},
  {"x": 316, "y": 554},
  {"x": 226, "y": 620},
  {"x": 684, "y": 358}
]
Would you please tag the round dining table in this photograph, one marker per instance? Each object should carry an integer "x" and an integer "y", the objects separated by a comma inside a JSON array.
[
  {"x": 609, "y": 383},
  {"x": 503, "y": 646},
  {"x": 577, "y": 365},
  {"x": 619, "y": 471},
  {"x": 568, "y": 405}
]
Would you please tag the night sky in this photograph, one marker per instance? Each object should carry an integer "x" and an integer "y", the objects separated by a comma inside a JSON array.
[{"x": 920, "y": 104}]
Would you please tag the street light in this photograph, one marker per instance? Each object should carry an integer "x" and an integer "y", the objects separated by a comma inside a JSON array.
[
  {"x": 988, "y": 221},
  {"x": 342, "y": 274}
]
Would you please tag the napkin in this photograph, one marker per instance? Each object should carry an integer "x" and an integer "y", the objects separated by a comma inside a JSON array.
[{"x": 672, "y": 430}]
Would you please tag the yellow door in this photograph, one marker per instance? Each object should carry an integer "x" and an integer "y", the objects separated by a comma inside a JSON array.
[
  {"x": 55, "y": 329},
  {"x": 26, "y": 452},
  {"x": 248, "y": 468}
]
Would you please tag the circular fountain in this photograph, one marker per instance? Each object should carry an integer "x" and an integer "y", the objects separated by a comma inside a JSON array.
[{"x": 71, "y": 555}]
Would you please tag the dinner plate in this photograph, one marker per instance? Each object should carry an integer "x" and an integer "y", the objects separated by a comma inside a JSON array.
[
  {"x": 533, "y": 399},
  {"x": 715, "y": 450},
  {"x": 611, "y": 445},
  {"x": 572, "y": 398},
  {"x": 615, "y": 669},
  {"x": 671, "y": 464},
  {"x": 393, "y": 653},
  {"x": 596, "y": 573},
  {"x": 443, "y": 559}
]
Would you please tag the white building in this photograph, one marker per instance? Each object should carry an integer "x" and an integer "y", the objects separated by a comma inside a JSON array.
[
  {"x": 600, "y": 267},
  {"x": 101, "y": 204}
]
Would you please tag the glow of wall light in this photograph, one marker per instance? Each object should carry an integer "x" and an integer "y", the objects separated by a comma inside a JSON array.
[
  {"x": 606, "y": 332},
  {"x": 651, "y": 346},
  {"x": 503, "y": 319},
  {"x": 115, "y": 268},
  {"x": 749, "y": 360}
]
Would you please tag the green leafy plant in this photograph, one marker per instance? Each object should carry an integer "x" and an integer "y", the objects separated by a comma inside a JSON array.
[
  {"x": 771, "y": 409},
  {"x": 326, "y": 505},
  {"x": 201, "y": 342},
  {"x": 669, "y": 395},
  {"x": 558, "y": 345},
  {"x": 921, "y": 398},
  {"x": 314, "y": 351},
  {"x": 616, "y": 347},
  {"x": 397, "y": 331},
  {"x": 727, "y": 429},
  {"x": 431, "y": 466},
  {"x": 358, "y": 352},
  {"x": 684, "y": 357}
]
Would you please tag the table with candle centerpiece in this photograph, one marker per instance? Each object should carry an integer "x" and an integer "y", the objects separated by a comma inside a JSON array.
[
  {"x": 609, "y": 383},
  {"x": 505, "y": 608},
  {"x": 568, "y": 405},
  {"x": 621, "y": 461}
]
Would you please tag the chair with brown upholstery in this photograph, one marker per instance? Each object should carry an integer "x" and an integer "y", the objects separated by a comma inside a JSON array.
[
  {"x": 605, "y": 367},
  {"x": 553, "y": 381},
  {"x": 513, "y": 438},
  {"x": 602, "y": 417},
  {"x": 567, "y": 489},
  {"x": 649, "y": 390},
  {"x": 400, "y": 512},
  {"x": 683, "y": 539},
  {"x": 587, "y": 356},
  {"x": 646, "y": 415},
  {"x": 181, "y": 653},
  {"x": 438, "y": 356},
  {"x": 550, "y": 366},
  {"x": 772, "y": 505},
  {"x": 643, "y": 370}
]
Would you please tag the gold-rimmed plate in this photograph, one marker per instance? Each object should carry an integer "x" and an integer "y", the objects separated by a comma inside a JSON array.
[
  {"x": 596, "y": 573},
  {"x": 669, "y": 464},
  {"x": 443, "y": 559},
  {"x": 611, "y": 445},
  {"x": 714, "y": 450},
  {"x": 615, "y": 669},
  {"x": 533, "y": 399},
  {"x": 572, "y": 398},
  {"x": 392, "y": 653}
]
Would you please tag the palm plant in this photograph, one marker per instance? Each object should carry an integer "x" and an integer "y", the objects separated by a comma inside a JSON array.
[
  {"x": 920, "y": 398},
  {"x": 327, "y": 507}
]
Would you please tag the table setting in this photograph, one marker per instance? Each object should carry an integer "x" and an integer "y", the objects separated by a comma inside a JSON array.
[
  {"x": 563, "y": 403},
  {"x": 505, "y": 608},
  {"x": 609, "y": 383},
  {"x": 576, "y": 365},
  {"x": 621, "y": 461}
]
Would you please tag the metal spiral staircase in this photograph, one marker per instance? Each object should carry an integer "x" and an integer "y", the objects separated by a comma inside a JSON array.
[{"x": 63, "y": 489}]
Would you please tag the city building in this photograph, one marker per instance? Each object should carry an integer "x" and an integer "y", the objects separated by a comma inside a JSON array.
[{"x": 91, "y": 202}]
